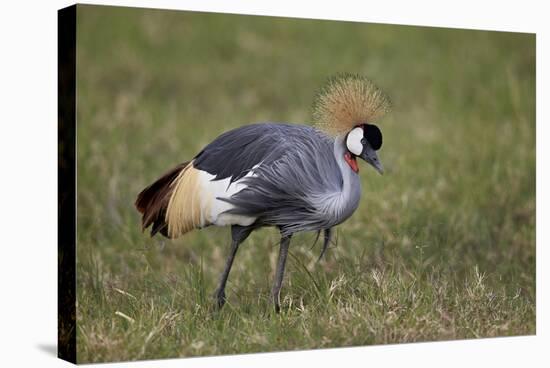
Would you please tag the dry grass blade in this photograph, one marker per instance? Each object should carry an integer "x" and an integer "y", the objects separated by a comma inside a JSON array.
[
  {"x": 125, "y": 293},
  {"x": 126, "y": 317}
]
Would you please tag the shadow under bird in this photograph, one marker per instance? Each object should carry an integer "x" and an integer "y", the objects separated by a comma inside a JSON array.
[{"x": 295, "y": 177}]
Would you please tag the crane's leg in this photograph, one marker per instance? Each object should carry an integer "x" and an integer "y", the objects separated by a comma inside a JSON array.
[
  {"x": 328, "y": 240},
  {"x": 279, "y": 272},
  {"x": 238, "y": 235}
]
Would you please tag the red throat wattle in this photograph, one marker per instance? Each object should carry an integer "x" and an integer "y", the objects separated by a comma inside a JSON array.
[{"x": 352, "y": 162}]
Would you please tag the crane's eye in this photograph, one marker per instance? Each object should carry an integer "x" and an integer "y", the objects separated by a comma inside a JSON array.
[{"x": 363, "y": 141}]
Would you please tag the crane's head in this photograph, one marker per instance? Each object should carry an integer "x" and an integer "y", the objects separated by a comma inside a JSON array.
[
  {"x": 343, "y": 107},
  {"x": 363, "y": 141}
]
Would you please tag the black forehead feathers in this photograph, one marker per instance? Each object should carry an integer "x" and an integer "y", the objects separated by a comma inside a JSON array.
[{"x": 373, "y": 135}]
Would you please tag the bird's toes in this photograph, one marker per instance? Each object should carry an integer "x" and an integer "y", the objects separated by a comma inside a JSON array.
[
  {"x": 276, "y": 301},
  {"x": 219, "y": 300}
]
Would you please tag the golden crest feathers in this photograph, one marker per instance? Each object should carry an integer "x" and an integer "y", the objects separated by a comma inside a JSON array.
[{"x": 347, "y": 100}]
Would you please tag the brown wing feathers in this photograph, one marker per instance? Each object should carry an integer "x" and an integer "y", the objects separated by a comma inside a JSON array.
[{"x": 153, "y": 201}]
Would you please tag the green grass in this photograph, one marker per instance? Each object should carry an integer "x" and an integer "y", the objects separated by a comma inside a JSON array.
[{"x": 441, "y": 247}]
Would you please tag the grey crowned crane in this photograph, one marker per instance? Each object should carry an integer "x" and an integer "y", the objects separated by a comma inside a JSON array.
[{"x": 295, "y": 177}]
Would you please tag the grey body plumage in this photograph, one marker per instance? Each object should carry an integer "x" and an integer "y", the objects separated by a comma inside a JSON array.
[
  {"x": 298, "y": 182},
  {"x": 294, "y": 177}
]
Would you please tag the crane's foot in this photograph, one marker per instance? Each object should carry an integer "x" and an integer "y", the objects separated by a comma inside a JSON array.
[
  {"x": 276, "y": 298},
  {"x": 219, "y": 297}
]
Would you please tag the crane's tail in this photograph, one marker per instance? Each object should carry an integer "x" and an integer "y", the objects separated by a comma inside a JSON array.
[{"x": 153, "y": 201}]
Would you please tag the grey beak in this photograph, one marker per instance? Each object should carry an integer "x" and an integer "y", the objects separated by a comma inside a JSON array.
[{"x": 370, "y": 156}]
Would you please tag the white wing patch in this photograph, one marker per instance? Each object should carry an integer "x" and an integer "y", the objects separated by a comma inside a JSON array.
[{"x": 212, "y": 208}]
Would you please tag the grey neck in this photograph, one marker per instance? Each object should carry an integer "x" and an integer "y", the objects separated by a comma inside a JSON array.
[
  {"x": 347, "y": 173},
  {"x": 351, "y": 185}
]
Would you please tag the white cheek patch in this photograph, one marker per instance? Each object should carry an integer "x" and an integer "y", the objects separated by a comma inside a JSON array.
[{"x": 353, "y": 141}]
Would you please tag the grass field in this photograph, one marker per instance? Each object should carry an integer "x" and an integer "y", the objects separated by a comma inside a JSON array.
[{"x": 442, "y": 246}]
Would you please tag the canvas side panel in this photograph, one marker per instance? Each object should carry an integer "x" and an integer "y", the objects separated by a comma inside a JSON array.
[{"x": 66, "y": 231}]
